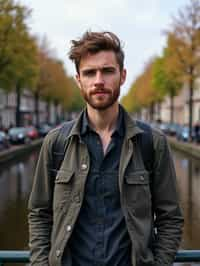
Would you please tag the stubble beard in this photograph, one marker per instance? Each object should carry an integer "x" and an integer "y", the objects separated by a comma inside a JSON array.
[{"x": 101, "y": 104}]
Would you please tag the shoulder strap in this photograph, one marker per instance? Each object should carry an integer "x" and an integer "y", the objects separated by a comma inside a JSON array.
[
  {"x": 146, "y": 142},
  {"x": 60, "y": 145}
]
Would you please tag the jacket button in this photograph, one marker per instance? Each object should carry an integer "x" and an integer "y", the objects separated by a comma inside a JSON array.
[
  {"x": 77, "y": 198},
  {"x": 84, "y": 166},
  {"x": 69, "y": 228},
  {"x": 58, "y": 252},
  {"x": 142, "y": 177}
]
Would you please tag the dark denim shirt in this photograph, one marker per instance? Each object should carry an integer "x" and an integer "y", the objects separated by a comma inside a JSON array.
[{"x": 100, "y": 236}]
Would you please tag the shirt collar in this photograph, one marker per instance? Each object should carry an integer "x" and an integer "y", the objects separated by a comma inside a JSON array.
[
  {"x": 120, "y": 128},
  {"x": 85, "y": 127}
]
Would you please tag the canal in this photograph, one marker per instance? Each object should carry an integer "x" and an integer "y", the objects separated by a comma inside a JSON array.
[{"x": 15, "y": 184}]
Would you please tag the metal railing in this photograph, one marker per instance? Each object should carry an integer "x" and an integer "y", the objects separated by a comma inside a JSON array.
[{"x": 8, "y": 256}]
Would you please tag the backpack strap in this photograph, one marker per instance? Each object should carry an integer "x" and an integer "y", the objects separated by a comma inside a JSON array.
[
  {"x": 146, "y": 143},
  {"x": 60, "y": 144}
]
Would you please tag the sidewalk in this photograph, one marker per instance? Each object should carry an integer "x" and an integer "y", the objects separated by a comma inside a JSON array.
[{"x": 190, "y": 148}]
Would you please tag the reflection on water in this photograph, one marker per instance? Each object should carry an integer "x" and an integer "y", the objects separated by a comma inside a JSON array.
[
  {"x": 188, "y": 175},
  {"x": 15, "y": 185}
]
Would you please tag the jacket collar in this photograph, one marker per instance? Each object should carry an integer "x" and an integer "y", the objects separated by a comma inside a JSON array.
[
  {"x": 75, "y": 131},
  {"x": 131, "y": 128}
]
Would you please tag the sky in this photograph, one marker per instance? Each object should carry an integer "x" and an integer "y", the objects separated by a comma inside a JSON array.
[{"x": 140, "y": 25}]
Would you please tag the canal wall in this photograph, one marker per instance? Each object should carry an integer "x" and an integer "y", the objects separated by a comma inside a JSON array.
[
  {"x": 191, "y": 149},
  {"x": 14, "y": 151}
]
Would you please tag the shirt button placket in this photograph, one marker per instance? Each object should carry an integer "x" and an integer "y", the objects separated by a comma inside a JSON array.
[
  {"x": 83, "y": 166},
  {"x": 58, "y": 252},
  {"x": 142, "y": 178}
]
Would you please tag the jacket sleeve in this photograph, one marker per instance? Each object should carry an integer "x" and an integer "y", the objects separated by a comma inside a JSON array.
[
  {"x": 40, "y": 206},
  {"x": 168, "y": 216}
]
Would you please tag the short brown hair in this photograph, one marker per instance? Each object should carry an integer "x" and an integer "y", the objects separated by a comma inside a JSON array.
[{"x": 94, "y": 42}]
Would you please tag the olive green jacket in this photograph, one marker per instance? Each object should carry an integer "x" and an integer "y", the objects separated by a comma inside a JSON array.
[{"x": 149, "y": 203}]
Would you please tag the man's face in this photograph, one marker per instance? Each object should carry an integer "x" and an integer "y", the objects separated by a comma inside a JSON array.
[{"x": 100, "y": 79}]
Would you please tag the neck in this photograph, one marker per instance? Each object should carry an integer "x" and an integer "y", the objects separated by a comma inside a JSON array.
[{"x": 103, "y": 120}]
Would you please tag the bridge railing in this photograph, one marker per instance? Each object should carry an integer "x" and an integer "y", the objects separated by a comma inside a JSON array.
[{"x": 10, "y": 256}]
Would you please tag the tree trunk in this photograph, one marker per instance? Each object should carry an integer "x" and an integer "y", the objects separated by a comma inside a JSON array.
[
  {"x": 157, "y": 111},
  {"x": 190, "y": 109},
  {"x": 171, "y": 108},
  {"x": 36, "y": 100},
  {"x": 152, "y": 112},
  {"x": 18, "y": 104},
  {"x": 48, "y": 112},
  {"x": 160, "y": 111},
  {"x": 147, "y": 111},
  {"x": 139, "y": 114},
  {"x": 62, "y": 113},
  {"x": 56, "y": 111}
]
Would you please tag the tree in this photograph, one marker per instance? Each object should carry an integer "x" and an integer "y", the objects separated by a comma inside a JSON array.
[
  {"x": 146, "y": 92},
  {"x": 43, "y": 88},
  {"x": 166, "y": 81},
  {"x": 142, "y": 92},
  {"x": 184, "y": 48},
  {"x": 18, "y": 51},
  {"x": 53, "y": 84},
  {"x": 27, "y": 71},
  {"x": 76, "y": 102},
  {"x": 62, "y": 93},
  {"x": 9, "y": 27}
]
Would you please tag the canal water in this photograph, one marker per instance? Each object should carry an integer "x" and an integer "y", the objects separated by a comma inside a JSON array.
[{"x": 15, "y": 185}]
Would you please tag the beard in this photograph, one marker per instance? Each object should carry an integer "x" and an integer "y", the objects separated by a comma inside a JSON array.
[{"x": 101, "y": 99}]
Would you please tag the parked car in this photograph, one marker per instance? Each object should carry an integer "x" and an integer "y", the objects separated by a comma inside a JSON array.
[
  {"x": 44, "y": 129},
  {"x": 18, "y": 135},
  {"x": 164, "y": 127},
  {"x": 32, "y": 132},
  {"x": 173, "y": 128},
  {"x": 183, "y": 133},
  {"x": 4, "y": 142}
]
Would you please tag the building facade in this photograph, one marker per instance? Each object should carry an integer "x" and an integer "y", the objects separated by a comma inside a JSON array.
[
  {"x": 8, "y": 101},
  {"x": 181, "y": 106}
]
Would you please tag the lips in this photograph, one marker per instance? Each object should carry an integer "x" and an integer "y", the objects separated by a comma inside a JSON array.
[{"x": 100, "y": 92}]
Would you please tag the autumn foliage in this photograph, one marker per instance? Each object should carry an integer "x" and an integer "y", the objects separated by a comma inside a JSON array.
[
  {"x": 26, "y": 63},
  {"x": 179, "y": 64}
]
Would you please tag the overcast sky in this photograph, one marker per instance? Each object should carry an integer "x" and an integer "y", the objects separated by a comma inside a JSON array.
[{"x": 138, "y": 23}]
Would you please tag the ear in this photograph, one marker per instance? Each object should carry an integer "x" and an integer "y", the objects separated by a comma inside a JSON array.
[
  {"x": 78, "y": 82},
  {"x": 123, "y": 76}
]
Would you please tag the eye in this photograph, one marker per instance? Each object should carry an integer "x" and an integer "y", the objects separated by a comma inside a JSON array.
[
  {"x": 108, "y": 70},
  {"x": 89, "y": 72}
]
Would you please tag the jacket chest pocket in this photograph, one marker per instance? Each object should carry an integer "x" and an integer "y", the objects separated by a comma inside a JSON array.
[
  {"x": 63, "y": 189},
  {"x": 137, "y": 192}
]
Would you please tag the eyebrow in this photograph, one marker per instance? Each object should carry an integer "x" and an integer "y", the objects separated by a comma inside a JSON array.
[{"x": 97, "y": 68}]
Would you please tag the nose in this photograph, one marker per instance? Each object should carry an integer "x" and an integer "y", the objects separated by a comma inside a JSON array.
[{"x": 99, "y": 80}]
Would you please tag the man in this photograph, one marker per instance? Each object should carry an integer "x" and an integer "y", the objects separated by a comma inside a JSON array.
[{"x": 101, "y": 206}]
